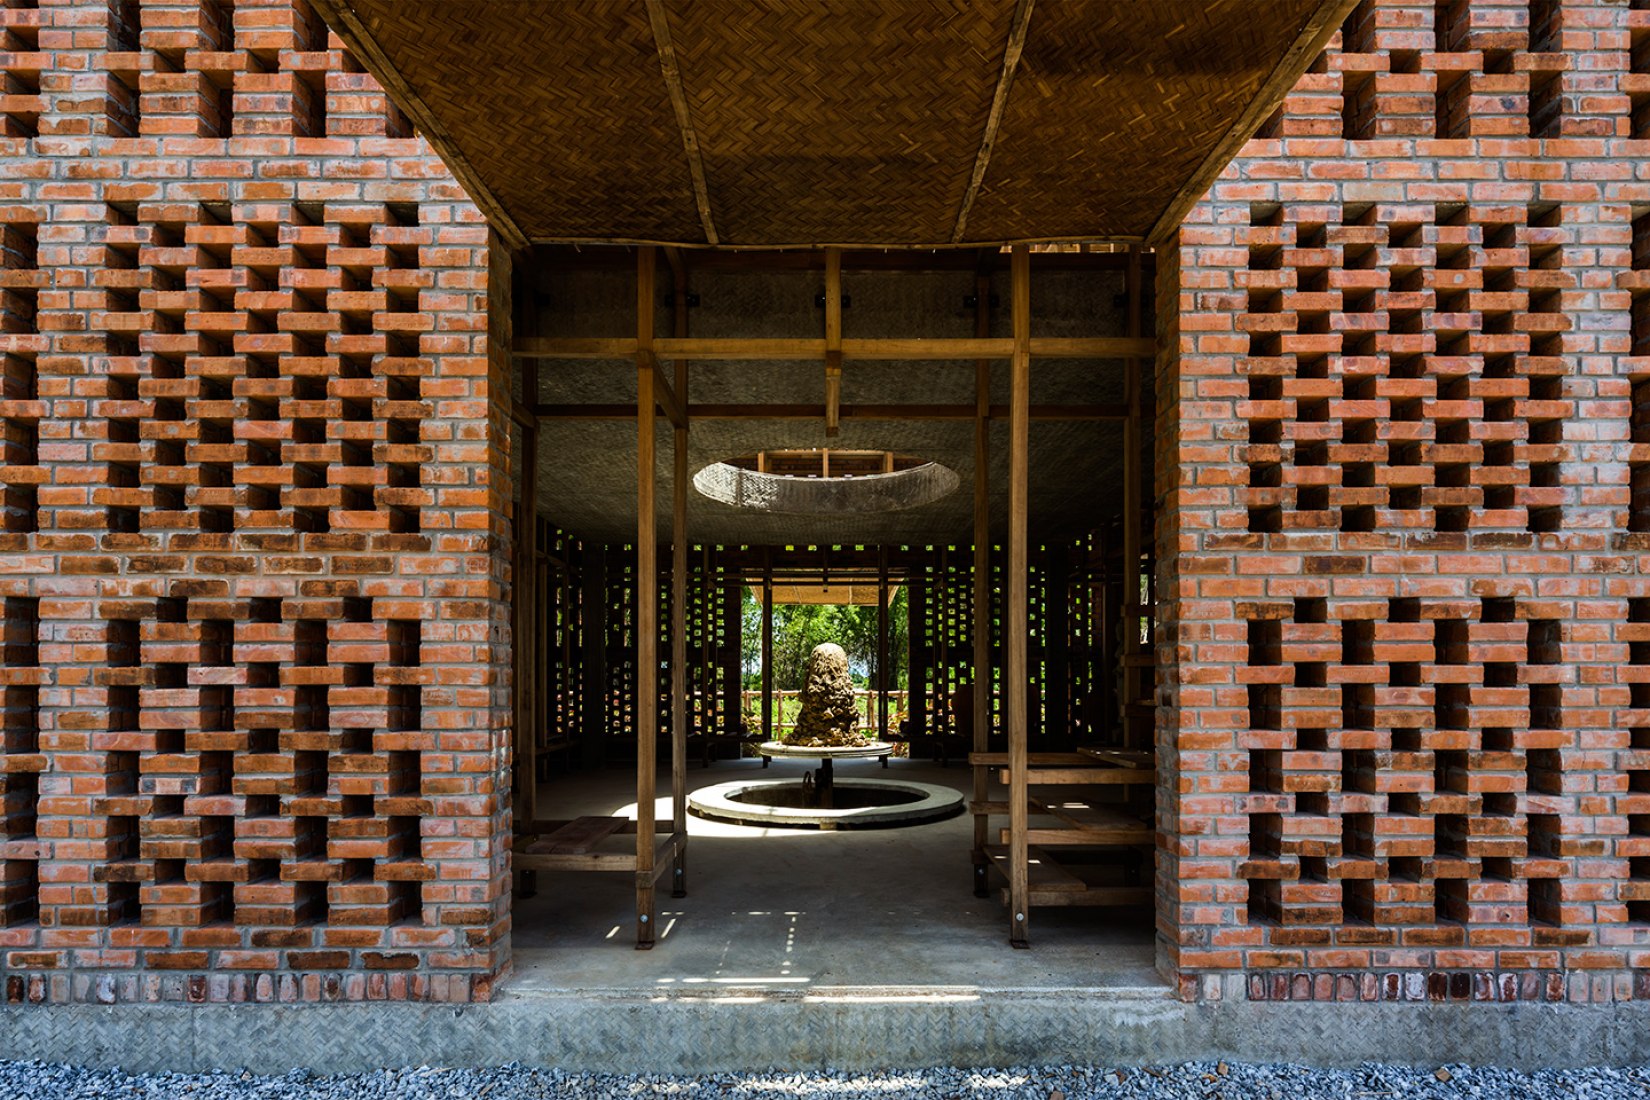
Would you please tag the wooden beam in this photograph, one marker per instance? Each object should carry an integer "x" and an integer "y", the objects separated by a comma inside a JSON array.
[
  {"x": 847, "y": 244},
  {"x": 565, "y": 347},
  {"x": 1016, "y": 673},
  {"x": 993, "y": 119},
  {"x": 342, "y": 18},
  {"x": 660, "y": 22},
  {"x": 886, "y": 349},
  {"x": 609, "y": 411},
  {"x": 764, "y": 260},
  {"x": 1309, "y": 43},
  {"x": 833, "y": 340},
  {"x": 1091, "y": 347},
  {"x": 647, "y": 601}
]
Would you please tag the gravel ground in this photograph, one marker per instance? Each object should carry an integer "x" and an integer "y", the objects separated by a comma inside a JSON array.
[{"x": 1199, "y": 1080}]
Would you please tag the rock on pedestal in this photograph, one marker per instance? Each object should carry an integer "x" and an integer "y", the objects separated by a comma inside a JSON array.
[{"x": 829, "y": 716}]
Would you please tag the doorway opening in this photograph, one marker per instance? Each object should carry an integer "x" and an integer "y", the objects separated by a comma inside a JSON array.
[{"x": 998, "y": 630}]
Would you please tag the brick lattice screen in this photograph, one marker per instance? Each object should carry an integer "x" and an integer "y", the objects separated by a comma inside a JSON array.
[
  {"x": 1407, "y": 471},
  {"x": 252, "y": 566}
]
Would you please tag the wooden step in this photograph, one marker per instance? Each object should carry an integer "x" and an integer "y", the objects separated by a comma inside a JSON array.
[
  {"x": 577, "y": 837},
  {"x": 1094, "y": 825},
  {"x": 1043, "y": 873}
]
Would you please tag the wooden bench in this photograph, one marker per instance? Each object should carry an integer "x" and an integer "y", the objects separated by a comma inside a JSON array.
[{"x": 576, "y": 837}]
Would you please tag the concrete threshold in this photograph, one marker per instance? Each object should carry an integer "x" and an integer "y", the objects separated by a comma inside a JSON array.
[{"x": 849, "y": 1027}]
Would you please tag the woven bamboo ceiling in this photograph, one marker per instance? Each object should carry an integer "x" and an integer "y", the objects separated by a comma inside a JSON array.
[{"x": 890, "y": 123}]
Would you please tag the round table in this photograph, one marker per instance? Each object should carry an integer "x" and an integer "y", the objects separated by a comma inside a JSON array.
[{"x": 826, "y": 755}]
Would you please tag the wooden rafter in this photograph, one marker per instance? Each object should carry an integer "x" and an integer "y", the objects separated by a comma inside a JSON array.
[
  {"x": 672, "y": 74},
  {"x": 999, "y": 100}
]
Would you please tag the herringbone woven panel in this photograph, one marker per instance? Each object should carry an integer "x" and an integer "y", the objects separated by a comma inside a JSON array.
[
  {"x": 854, "y": 120},
  {"x": 841, "y": 122},
  {"x": 1120, "y": 102},
  {"x": 560, "y": 107}
]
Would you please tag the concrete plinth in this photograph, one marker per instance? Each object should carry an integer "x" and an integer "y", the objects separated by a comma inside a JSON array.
[{"x": 848, "y": 1028}]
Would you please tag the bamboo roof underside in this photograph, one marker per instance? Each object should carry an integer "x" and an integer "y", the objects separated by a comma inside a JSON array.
[{"x": 779, "y": 123}]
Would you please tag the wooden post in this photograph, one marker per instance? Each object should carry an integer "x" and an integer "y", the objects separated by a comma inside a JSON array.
[
  {"x": 1015, "y": 671},
  {"x": 679, "y": 599},
  {"x": 882, "y": 644},
  {"x": 982, "y": 581},
  {"x": 833, "y": 343},
  {"x": 767, "y": 648},
  {"x": 1131, "y": 513},
  {"x": 647, "y": 600}
]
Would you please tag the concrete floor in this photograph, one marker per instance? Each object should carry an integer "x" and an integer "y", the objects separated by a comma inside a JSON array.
[{"x": 777, "y": 910}]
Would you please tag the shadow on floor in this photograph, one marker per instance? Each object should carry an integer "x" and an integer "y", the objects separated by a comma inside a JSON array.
[{"x": 804, "y": 911}]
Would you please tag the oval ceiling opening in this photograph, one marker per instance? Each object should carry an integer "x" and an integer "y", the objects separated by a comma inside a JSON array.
[{"x": 824, "y": 482}]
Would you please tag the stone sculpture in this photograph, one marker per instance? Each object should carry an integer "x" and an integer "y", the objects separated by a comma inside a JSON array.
[{"x": 829, "y": 716}]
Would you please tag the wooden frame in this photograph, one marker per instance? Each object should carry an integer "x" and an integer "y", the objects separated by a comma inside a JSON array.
[
  {"x": 569, "y": 846},
  {"x": 1017, "y": 850}
]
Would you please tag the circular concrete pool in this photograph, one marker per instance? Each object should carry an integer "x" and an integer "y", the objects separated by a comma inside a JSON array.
[{"x": 857, "y": 804}]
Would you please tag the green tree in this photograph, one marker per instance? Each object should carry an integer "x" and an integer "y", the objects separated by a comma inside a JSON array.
[{"x": 798, "y": 628}]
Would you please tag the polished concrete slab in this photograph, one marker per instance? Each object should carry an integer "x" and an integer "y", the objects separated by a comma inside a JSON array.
[{"x": 809, "y": 911}]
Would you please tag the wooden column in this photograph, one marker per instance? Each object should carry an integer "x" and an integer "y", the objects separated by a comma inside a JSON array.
[
  {"x": 647, "y": 600},
  {"x": 882, "y": 643},
  {"x": 1131, "y": 516},
  {"x": 982, "y": 581},
  {"x": 679, "y": 595},
  {"x": 1014, "y": 621},
  {"x": 767, "y": 648}
]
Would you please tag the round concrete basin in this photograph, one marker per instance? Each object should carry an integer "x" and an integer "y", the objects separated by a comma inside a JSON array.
[{"x": 858, "y": 804}]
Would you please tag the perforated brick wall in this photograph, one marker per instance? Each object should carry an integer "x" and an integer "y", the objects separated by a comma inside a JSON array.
[
  {"x": 1406, "y": 465},
  {"x": 252, "y": 567}
]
